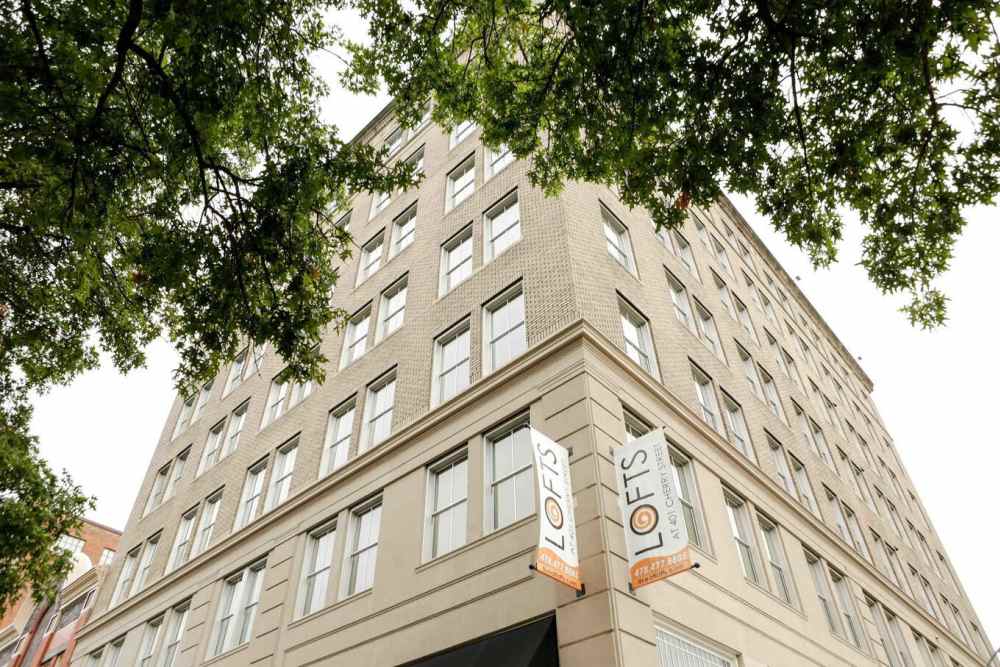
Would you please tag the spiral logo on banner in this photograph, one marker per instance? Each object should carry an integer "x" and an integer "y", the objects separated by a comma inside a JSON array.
[
  {"x": 553, "y": 513},
  {"x": 644, "y": 519}
]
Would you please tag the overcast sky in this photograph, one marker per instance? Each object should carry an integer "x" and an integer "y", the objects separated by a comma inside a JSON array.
[{"x": 933, "y": 389}]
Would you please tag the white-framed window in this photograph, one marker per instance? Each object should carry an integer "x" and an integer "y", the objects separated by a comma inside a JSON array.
[
  {"x": 502, "y": 227},
  {"x": 175, "y": 631},
  {"x": 378, "y": 411},
  {"x": 456, "y": 260},
  {"x": 634, "y": 427},
  {"x": 783, "y": 471},
  {"x": 707, "y": 330},
  {"x": 236, "y": 370},
  {"x": 339, "y": 430},
  {"x": 700, "y": 227},
  {"x": 510, "y": 494},
  {"x": 685, "y": 254},
  {"x": 380, "y": 202},
  {"x": 743, "y": 315},
  {"x": 74, "y": 545},
  {"x": 145, "y": 569},
  {"x": 461, "y": 182},
  {"x": 362, "y": 548},
  {"x": 317, "y": 568},
  {"x": 929, "y": 653},
  {"x": 638, "y": 339},
  {"x": 857, "y": 535},
  {"x": 371, "y": 257},
  {"x": 617, "y": 237},
  {"x": 253, "y": 490},
  {"x": 158, "y": 490},
  {"x": 673, "y": 650},
  {"x": 404, "y": 230},
  {"x": 72, "y": 610},
  {"x": 392, "y": 310},
  {"x": 150, "y": 642},
  {"x": 212, "y": 452},
  {"x": 184, "y": 418},
  {"x": 236, "y": 422},
  {"x": 750, "y": 371},
  {"x": 771, "y": 396},
  {"x": 891, "y": 635},
  {"x": 416, "y": 160},
  {"x": 504, "y": 333},
  {"x": 206, "y": 524},
  {"x": 237, "y": 608},
  {"x": 833, "y": 503},
  {"x": 739, "y": 524},
  {"x": 461, "y": 132},
  {"x": 817, "y": 569},
  {"x": 803, "y": 486},
  {"x": 848, "y": 612},
  {"x": 356, "y": 336},
  {"x": 722, "y": 257},
  {"x": 705, "y": 390},
  {"x": 107, "y": 556},
  {"x": 126, "y": 576},
  {"x": 182, "y": 541},
  {"x": 281, "y": 475},
  {"x": 451, "y": 362},
  {"x": 497, "y": 159},
  {"x": 683, "y": 471},
  {"x": 447, "y": 505},
  {"x": 725, "y": 295},
  {"x": 276, "y": 399},
  {"x": 736, "y": 425},
  {"x": 176, "y": 473},
  {"x": 774, "y": 553},
  {"x": 679, "y": 297},
  {"x": 203, "y": 396},
  {"x": 395, "y": 141}
]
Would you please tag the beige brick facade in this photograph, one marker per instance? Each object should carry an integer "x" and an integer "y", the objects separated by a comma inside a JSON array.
[{"x": 575, "y": 384}]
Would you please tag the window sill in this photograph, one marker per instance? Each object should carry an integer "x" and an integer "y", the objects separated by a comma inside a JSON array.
[
  {"x": 331, "y": 607},
  {"x": 226, "y": 654},
  {"x": 479, "y": 541}
]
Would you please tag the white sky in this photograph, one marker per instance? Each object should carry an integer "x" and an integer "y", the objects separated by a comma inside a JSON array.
[{"x": 933, "y": 389}]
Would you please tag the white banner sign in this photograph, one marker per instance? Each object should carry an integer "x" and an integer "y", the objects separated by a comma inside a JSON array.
[
  {"x": 557, "y": 555},
  {"x": 656, "y": 535}
]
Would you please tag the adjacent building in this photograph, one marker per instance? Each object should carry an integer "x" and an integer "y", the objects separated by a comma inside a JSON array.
[
  {"x": 388, "y": 517},
  {"x": 44, "y": 634}
]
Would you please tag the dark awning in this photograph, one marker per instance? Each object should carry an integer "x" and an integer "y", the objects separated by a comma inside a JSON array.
[{"x": 531, "y": 645}]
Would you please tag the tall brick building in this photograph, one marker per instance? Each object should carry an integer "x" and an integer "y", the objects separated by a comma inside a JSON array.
[{"x": 387, "y": 517}]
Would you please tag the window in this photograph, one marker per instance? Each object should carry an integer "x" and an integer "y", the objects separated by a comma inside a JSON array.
[
  {"x": 71, "y": 612},
  {"x": 213, "y": 448},
  {"x": 928, "y": 652},
  {"x": 701, "y": 229},
  {"x": 107, "y": 555},
  {"x": 182, "y": 541},
  {"x": 739, "y": 523},
  {"x": 497, "y": 159},
  {"x": 682, "y": 469},
  {"x": 892, "y": 554},
  {"x": 203, "y": 396},
  {"x": 679, "y": 297},
  {"x": 253, "y": 489},
  {"x": 451, "y": 363},
  {"x": 209, "y": 513},
  {"x": 404, "y": 230},
  {"x": 378, "y": 411},
  {"x": 185, "y": 415},
  {"x": 456, "y": 260},
  {"x": 838, "y": 515},
  {"x": 706, "y": 399},
  {"x": 237, "y": 608},
  {"x": 721, "y": 256},
  {"x": 775, "y": 555},
  {"x": 504, "y": 332},
  {"x": 634, "y": 427},
  {"x": 316, "y": 571},
  {"x": 802, "y": 485},
  {"x": 395, "y": 141},
  {"x": 771, "y": 394},
  {"x": 281, "y": 476},
  {"x": 461, "y": 182},
  {"x": 674, "y": 651},
  {"x": 502, "y": 228},
  {"x": 371, "y": 257},
  {"x": 510, "y": 478},
  {"x": 416, "y": 160},
  {"x": 126, "y": 576},
  {"x": 813, "y": 436},
  {"x": 818, "y": 570},
  {"x": 737, "y": 426},
  {"x": 339, "y": 429},
  {"x": 276, "y": 399},
  {"x": 638, "y": 341},
  {"x": 743, "y": 315},
  {"x": 150, "y": 640},
  {"x": 175, "y": 631},
  {"x": 891, "y": 635},
  {"x": 356, "y": 337},
  {"x": 156, "y": 494},
  {"x": 145, "y": 564},
  {"x": 848, "y": 612},
  {"x": 857, "y": 536},
  {"x": 706, "y": 328},
  {"x": 618, "y": 242},
  {"x": 724, "y": 295},
  {"x": 392, "y": 312},
  {"x": 781, "y": 465},
  {"x": 113, "y": 654},
  {"x": 380, "y": 201},
  {"x": 300, "y": 392},
  {"x": 750, "y": 371},
  {"x": 69, "y": 543},
  {"x": 926, "y": 593},
  {"x": 363, "y": 547},
  {"x": 241, "y": 367},
  {"x": 685, "y": 254},
  {"x": 461, "y": 132},
  {"x": 176, "y": 473},
  {"x": 446, "y": 506}
]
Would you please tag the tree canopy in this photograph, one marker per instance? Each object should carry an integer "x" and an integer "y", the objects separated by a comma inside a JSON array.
[{"x": 164, "y": 169}]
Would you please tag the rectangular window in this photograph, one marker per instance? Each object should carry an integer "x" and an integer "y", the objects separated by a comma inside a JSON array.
[
  {"x": 184, "y": 418},
  {"x": 281, "y": 476},
  {"x": 451, "y": 363},
  {"x": 363, "y": 547},
  {"x": 743, "y": 315},
  {"x": 276, "y": 399},
  {"x": 237, "y": 608},
  {"x": 724, "y": 295},
  {"x": 74, "y": 545},
  {"x": 679, "y": 297},
  {"x": 378, "y": 411},
  {"x": 317, "y": 568},
  {"x": 150, "y": 642},
  {"x": 209, "y": 513},
  {"x": 775, "y": 556},
  {"x": 497, "y": 159},
  {"x": 176, "y": 473},
  {"x": 107, "y": 555},
  {"x": 356, "y": 337},
  {"x": 848, "y": 612},
  {"x": 638, "y": 340},
  {"x": 857, "y": 535},
  {"x": 618, "y": 242},
  {"x": 461, "y": 182},
  {"x": 682, "y": 468},
  {"x": 685, "y": 254},
  {"x": 818, "y": 570},
  {"x": 504, "y": 331},
  {"x": 706, "y": 399},
  {"x": 236, "y": 370},
  {"x": 145, "y": 564},
  {"x": 461, "y": 132},
  {"x": 721, "y": 256},
  {"x": 771, "y": 394},
  {"x": 782, "y": 470},
  {"x": 736, "y": 425},
  {"x": 510, "y": 479},
  {"x": 339, "y": 429},
  {"x": 253, "y": 489},
  {"x": 156, "y": 494},
  {"x": 672, "y": 650},
  {"x": 803, "y": 486},
  {"x": 182, "y": 541},
  {"x": 838, "y": 514},
  {"x": 502, "y": 228},
  {"x": 456, "y": 260},
  {"x": 392, "y": 311},
  {"x": 739, "y": 523},
  {"x": 707, "y": 330},
  {"x": 404, "y": 230},
  {"x": 203, "y": 396},
  {"x": 175, "y": 631},
  {"x": 371, "y": 257},
  {"x": 750, "y": 371},
  {"x": 236, "y": 421},
  {"x": 447, "y": 506},
  {"x": 213, "y": 448},
  {"x": 395, "y": 141},
  {"x": 380, "y": 202},
  {"x": 416, "y": 160}
]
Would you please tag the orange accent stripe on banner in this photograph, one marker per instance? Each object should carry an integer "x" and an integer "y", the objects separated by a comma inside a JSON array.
[
  {"x": 649, "y": 570},
  {"x": 547, "y": 562}
]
